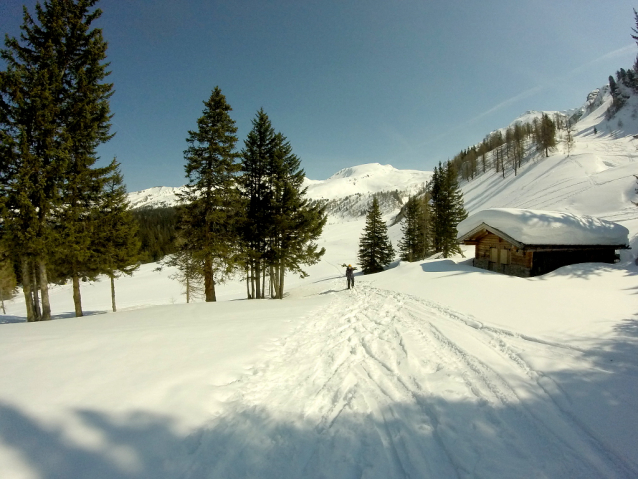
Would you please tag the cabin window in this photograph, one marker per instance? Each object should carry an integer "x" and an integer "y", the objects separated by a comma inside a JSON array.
[
  {"x": 494, "y": 255},
  {"x": 505, "y": 256}
]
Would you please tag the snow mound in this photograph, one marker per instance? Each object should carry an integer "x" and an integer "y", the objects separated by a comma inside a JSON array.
[{"x": 535, "y": 227}]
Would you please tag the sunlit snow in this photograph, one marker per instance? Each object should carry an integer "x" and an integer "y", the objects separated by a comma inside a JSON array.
[{"x": 433, "y": 369}]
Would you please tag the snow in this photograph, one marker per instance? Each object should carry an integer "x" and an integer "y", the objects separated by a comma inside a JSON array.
[
  {"x": 156, "y": 197},
  {"x": 366, "y": 179},
  {"x": 534, "y": 227},
  {"x": 431, "y": 369},
  {"x": 362, "y": 179}
]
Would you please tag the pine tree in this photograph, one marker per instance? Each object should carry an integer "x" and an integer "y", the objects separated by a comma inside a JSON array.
[
  {"x": 209, "y": 202},
  {"x": 8, "y": 283},
  {"x": 256, "y": 222},
  {"x": 447, "y": 209},
  {"x": 54, "y": 113},
  {"x": 31, "y": 148},
  {"x": 412, "y": 246},
  {"x": 545, "y": 134},
  {"x": 375, "y": 248},
  {"x": 116, "y": 242},
  {"x": 296, "y": 223},
  {"x": 436, "y": 195}
]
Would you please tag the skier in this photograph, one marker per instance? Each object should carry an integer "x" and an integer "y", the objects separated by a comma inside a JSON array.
[{"x": 350, "y": 275}]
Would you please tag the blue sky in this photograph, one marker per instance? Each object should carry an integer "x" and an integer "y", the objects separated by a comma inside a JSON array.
[{"x": 400, "y": 82}]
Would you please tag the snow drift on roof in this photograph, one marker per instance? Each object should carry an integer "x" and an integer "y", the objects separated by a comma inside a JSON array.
[{"x": 533, "y": 227}]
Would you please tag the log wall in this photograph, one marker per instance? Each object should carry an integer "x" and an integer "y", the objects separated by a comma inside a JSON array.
[{"x": 513, "y": 262}]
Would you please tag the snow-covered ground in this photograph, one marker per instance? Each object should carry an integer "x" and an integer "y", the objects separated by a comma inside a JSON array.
[{"x": 428, "y": 370}]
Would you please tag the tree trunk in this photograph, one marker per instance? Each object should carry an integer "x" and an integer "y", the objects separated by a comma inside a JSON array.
[
  {"x": 271, "y": 280},
  {"x": 36, "y": 294},
  {"x": 112, "y": 276},
  {"x": 248, "y": 281},
  {"x": 4, "y": 311},
  {"x": 257, "y": 279},
  {"x": 263, "y": 283},
  {"x": 77, "y": 297},
  {"x": 44, "y": 291},
  {"x": 252, "y": 280},
  {"x": 282, "y": 273},
  {"x": 26, "y": 289},
  {"x": 209, "y": 282},
  {"x": 274, "y": 282}
]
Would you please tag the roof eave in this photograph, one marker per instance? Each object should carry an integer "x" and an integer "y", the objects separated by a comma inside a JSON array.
[{"x": 497, "y": 232}]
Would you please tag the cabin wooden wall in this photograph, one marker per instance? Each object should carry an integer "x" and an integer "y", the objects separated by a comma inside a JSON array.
[
  {"x": 508, "y": 258},
  {"x": 496, "y": 254}
]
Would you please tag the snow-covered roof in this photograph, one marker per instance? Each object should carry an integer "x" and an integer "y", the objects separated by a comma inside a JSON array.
[{"x": 534, "y": 227}]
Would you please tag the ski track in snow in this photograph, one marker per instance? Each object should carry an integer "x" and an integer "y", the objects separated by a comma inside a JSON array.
[{"x": 380, "y": 384}]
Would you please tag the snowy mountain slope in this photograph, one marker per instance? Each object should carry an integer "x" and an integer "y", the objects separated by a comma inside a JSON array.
[
  {"x": 347, "y": 193},
  {"x": 596, "y": 178},
  {"x": 366, "y": 179},
  {"x": 156, "y": 197}
]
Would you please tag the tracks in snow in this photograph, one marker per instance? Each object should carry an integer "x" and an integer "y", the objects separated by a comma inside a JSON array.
[{"x": 381, "y": 384}]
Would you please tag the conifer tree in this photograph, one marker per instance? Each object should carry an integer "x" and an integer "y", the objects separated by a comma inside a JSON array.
[
  {"x": 295, "y": 222},
  {"x": 256, "y": 222},
  {"x": 447, "y": 209},
  {"x": 545, "y": 134},
  {"x": 425, "y": 225},
  {"x": 8, "y": 282},
  {"x": 53, "y": 114},
  {"x": 280, "y": 225},
  {"x": 209, "y": 202},
  {"x": 413, "y": 246},
  {"x": 375, "y": 248},
  {"x": 436, "y": 196},
  {"x": 115, "y": 242}
]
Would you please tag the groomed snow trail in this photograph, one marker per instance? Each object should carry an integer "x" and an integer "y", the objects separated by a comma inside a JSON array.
[{"x": 379, "y": 384}]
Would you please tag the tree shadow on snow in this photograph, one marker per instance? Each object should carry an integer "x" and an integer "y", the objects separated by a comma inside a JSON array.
[
  {"x": 428, "y": 436},
  {"x": 139, "y": 445},
  {"x": 577, "y": 421},
  {"x": 6, "y": 319}
]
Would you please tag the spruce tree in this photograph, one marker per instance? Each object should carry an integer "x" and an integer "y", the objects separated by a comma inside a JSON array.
[
  {"x": 375, "y": 248},
  {"x": 438, "y": 218},
  {"x": 209, "y": 202},
  {"x": 411, "y": 246},
  {"x": 8, "y": 282},
  {"x": 53, "y": 114},
  {"x": 32, "y": 151},
  {"x": 295, "y": 222},
  {"x": 447, "y": 209},
  {"x": 545, "y": 134},
  {"x": 115, "y": 240},
  {"x": 256, "y": 226}
]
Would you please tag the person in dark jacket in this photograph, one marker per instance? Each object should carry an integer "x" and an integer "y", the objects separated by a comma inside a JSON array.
[{"x": 350, "y": 275}]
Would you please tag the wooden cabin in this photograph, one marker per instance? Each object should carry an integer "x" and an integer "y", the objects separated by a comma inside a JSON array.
[{"x": 496, "y": 250}]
